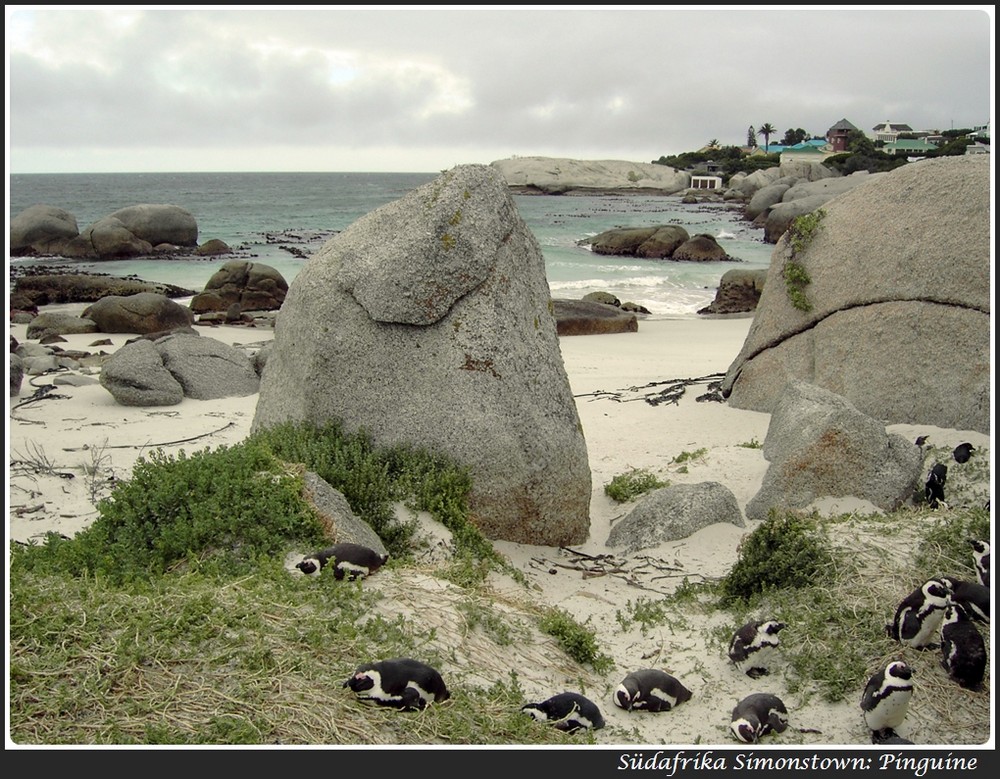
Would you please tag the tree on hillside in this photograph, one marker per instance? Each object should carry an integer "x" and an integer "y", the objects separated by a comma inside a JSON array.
[
  {"x": 767, "y": 130},
  {"x": 793, "y": 137},
  {"x": 751, "y": 138},
  {"x": 712, "y": 143}
]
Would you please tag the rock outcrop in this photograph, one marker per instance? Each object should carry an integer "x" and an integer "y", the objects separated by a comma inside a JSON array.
[
  {"x": 738, "y": 292},
  {"x": 44, "y": 289},
  {"x": 675, "y": 512},
  {"x": 819, "y": 445},
  {"x": 128, "y": 232},
  {"x": 558, "y": 176},
  {"x": 583, "y": 317},
  {"x": 41, "y": 228},
  {"x": 165, "y": 371},
  {"x": 898, "y": 298},
  {"x": 249, "y": 285},
  {"x": 427, "y": 323},
  {"x": 145, "y": 312}
]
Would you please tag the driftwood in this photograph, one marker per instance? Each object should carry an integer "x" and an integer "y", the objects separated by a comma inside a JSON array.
[
  {"x": 153, "y": 446},
  {"x": 673, "y": 390}
]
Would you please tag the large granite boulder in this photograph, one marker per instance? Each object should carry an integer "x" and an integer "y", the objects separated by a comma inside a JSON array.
[
  {"x": 585, "y": 317},
  {"x": 45, "y": 289},
  {"x": 899, "y": 302},
  {"x": 134, "y": 231},
  {"x": 738, "y": 292},
  {"x": 675, "y": 512},
  {"x": 144, "y": 312},
  {"x": 207, "y": 368},
  {"x": 701, "y": 248},
  {"x": 158, "y": 224},
  {"x": 656, "y": 242},
  {"x": 557, "y": 176},
  {"x": 41, "y": 229},
  {"x": 427, "y": 323},
  {"x": 135, "y": 376},
  {"x": 58, "y": 323},
  {"x": 164, "y": 372},
  {"x": 253, "y": 286},
  {"x": 819, "y": 445},
  {"x": 342, "y": 525},
  {"x": 804, "y": 198}
]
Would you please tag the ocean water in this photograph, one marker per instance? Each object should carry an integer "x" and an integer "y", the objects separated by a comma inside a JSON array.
[{"x": 281, "y": 218}]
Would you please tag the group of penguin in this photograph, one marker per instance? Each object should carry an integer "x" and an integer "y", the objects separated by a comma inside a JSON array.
[
  {"x": 941, "y": 612},
  {"x": 408, "y": 684}
]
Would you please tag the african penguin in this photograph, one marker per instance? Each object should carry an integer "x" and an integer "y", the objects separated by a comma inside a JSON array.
[
  {"x": 886, "y": 698},
  {"x": 757, "y": 715},
  {"x": 934, "y": 487},
  {"x": 981, "y": 559},
  {"x": 972, "y": 596},
  {"x": 402, "y": 683},
  {"x": 963, "y": 651},
  {"x": 754, "y": 646},
  {"x": 918, "y": 616},
  {"x": 650, "y": 689},
  {"x": 349, "y": 561},
  {"x": 963, "y": 452},
  {"x": 567, "y": 711},
  {"x": 920, "y": 440}
]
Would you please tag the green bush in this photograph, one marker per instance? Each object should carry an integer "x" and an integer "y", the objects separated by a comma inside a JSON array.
[
  {"x": 579, "y": 641},
  {"x": 232, "y": 505},
  {"x": 785, "y": 551},
  {"x": 628, "y": 486}
]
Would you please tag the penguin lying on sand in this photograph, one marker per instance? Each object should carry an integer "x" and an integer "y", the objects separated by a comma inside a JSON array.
[
  {"x": 981, "y": 559},
  {"x": 972, "y": 596},
  {"x": 963, "y": 452},
  {"x": 963, "y": 651},
  {"x": 650, "y": 689},
  {"x": 567, "y": 711},
  {"x": 757, "y": 715},
  {"x": 886, "y": 698},
  {"x": 402, "y": 683},
  {"x": 349, "y": 561},
  {"x": 754, "y": 646},
  {"x": 918, "y": 616}
]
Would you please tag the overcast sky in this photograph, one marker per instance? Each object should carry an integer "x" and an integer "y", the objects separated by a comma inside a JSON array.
[{"x": 383, "y": 88}]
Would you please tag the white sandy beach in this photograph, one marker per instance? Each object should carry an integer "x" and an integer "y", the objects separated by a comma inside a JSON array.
[{"x": 84, "y": 432}]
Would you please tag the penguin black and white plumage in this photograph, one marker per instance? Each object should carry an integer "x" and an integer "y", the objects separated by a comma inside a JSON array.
[
  {"x": 963, "y": 651},
  {"x": 934, "y": 487},
  {"x": 567, "y": 711},
  {"x": 757, "y": 715},
  {"x": 650, "y": 689},
  {"x": 971, "y": 596},
  {"x": 920, "y": 441},
  {"x": 348, "y": 560},
  {"x": 754, "y": 646},
  {"x": 981, "y": 559},
  {"x": 401, "y": 682},
  {"x": 886, "y": 698},
  {"x": 918, "y": 617},
  {"x": 963, "y": 452}
]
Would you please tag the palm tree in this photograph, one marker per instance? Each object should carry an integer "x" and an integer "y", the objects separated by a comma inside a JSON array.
[
  {"x": 767, "y": 130},
  {"x": 713, "y": 143}
]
